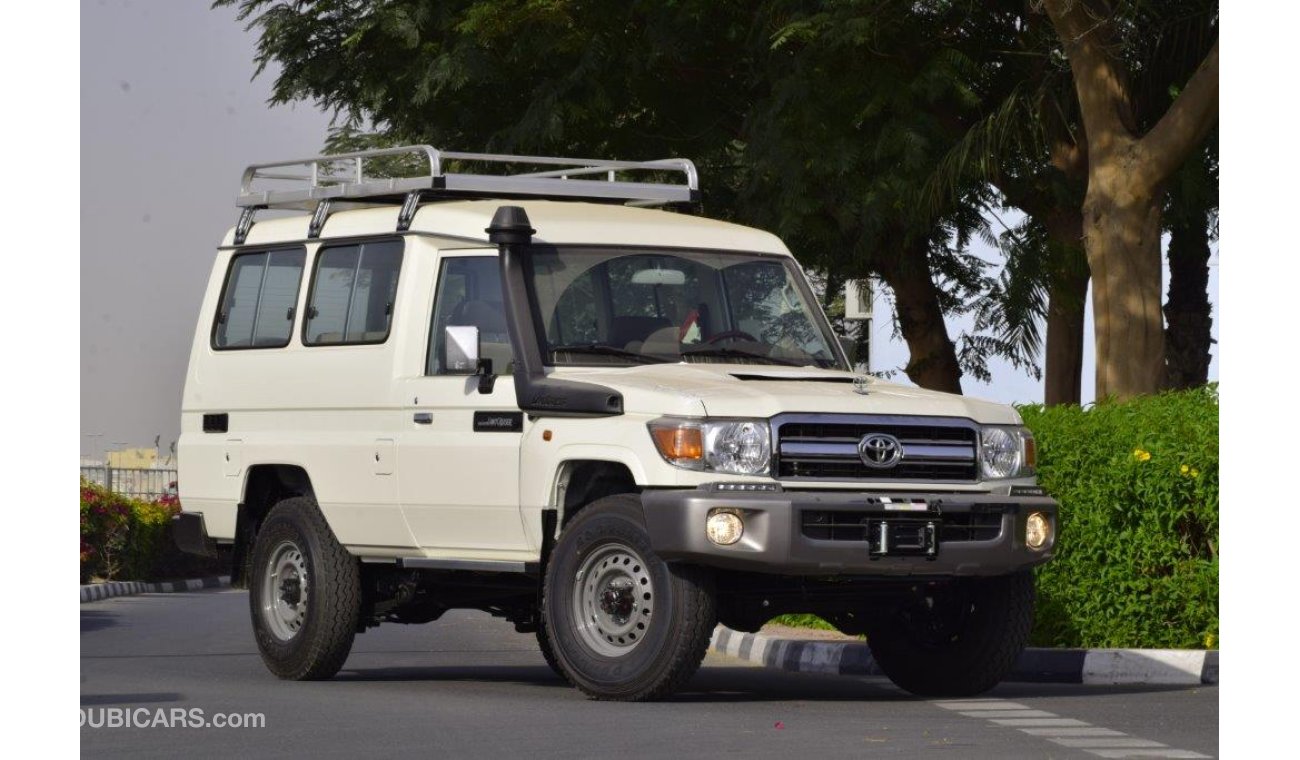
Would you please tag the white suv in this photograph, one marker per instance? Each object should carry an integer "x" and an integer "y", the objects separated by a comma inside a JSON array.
[{"x": 614, "y": 426}]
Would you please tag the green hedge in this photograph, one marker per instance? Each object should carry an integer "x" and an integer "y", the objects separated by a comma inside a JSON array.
[
  {"x": 1137, "y": 562},
  {"x": 129, "y": 539}
]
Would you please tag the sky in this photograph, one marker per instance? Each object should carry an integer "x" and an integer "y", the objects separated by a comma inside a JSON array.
[{"x": 170, "y": 115}]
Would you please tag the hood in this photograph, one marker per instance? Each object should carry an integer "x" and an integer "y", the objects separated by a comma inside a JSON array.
[{"x": 754, "y": 390}]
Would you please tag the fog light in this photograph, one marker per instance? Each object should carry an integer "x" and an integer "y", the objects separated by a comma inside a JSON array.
[
  {"x": 724, "y": 527},
  {"x": 1038, "y": 529}
]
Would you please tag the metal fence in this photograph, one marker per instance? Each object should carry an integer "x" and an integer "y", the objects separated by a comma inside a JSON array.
[{"x": 138, "y": 483}]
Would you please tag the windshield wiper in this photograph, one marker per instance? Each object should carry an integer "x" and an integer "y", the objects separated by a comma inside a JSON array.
[
  {"x": 603, "y": 350},
  {"x": 738, "y": 352}
]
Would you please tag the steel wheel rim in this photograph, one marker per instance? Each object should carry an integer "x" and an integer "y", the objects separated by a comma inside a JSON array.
[
  {"x": 613, "y": 600},
  {"x": 284, "y": 591}
]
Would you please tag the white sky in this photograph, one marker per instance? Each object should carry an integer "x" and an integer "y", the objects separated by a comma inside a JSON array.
[{"x": 169, "y": 118}]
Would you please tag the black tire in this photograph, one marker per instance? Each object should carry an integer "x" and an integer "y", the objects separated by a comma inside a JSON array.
[
  {"x": 671, "y": 631},
  {"x": 321, "y": 642},
  {"x": 964, "y": 645},
  {"x": 548, "y": 652}
]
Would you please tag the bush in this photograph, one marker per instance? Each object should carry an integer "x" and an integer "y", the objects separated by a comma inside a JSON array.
[
  {"x": 1137, "y": 560},
  {"x": 129, "y": 539}
]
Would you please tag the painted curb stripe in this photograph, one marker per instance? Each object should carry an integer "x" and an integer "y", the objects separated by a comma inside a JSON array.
[
  {"x": 95, "y": 592},
  {"x": 1087, "y": 666}
]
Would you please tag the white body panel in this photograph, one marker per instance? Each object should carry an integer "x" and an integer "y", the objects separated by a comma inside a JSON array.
[{"x": 392, "y": 487}]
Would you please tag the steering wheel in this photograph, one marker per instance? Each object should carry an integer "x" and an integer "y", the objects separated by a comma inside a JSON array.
[{"x": 731, "y": 334}]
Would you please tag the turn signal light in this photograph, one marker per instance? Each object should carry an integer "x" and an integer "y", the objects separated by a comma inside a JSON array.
[{"x": 679, "y": 444}]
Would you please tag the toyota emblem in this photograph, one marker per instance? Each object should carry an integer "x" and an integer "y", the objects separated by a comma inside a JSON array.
[{"x": 880, "y": 450}]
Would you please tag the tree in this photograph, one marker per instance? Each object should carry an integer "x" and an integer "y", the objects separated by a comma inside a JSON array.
[
  {"x": 1128, "y": 169},
  {"x": 718, "y": 81},
  {"x": 1191, "y": 216}
]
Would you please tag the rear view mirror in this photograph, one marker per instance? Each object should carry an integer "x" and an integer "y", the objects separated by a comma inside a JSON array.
[
  {"x": 460, "y": 350},
  {"x": 659, "y": 277}
]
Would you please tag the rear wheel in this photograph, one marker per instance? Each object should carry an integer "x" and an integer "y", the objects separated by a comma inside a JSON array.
[
  {"x": 624, "y": 624},
  {"x": 957, "y": 640},
  {"x": 304, "y": 593}
]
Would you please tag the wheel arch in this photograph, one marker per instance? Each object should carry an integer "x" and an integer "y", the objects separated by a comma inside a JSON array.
[
  {"x": 579, "y": 482},
  {"x": 265, "y": 485}
]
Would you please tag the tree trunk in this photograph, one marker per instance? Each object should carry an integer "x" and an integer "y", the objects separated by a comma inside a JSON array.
[
  {"x": 1126, "y": 175},
  {"x": 1063, "y": 383},
  {"x": 1187, "y": 336},
  {"x": 932, "y": 360},
  {"x": 1121, "y": 224}
]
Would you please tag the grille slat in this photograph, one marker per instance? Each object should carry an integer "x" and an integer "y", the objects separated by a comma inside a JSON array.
[
  {"x": 825, "y": 447},
  {"x": 955, "y": 527}
]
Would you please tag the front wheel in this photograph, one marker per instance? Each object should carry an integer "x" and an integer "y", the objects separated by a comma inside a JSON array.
[
  {"x": 304, "y": 593},
  {"x": 958, "y": 639},
  {"x": 623, "y": 624}
]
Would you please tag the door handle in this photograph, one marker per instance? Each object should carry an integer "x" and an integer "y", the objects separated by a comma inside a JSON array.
[{"x": 423, "y": 418}]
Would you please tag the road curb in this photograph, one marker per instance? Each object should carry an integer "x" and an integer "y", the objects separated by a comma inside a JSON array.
[
  {"x": 94, "y": 592},
  {"x": 1083, "y": 666}
]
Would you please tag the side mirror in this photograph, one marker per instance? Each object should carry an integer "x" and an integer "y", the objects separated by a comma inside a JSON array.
[
  {"x": 460, "y": 351},
  {"x": 461, "y": 356}
]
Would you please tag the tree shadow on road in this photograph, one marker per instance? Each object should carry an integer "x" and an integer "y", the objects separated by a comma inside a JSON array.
[
  {"x": 94, "y": 620},
  {"x": 710, "y": 684},
  {"x": 534, "y": 675},
  {"x": 94, "y": 700}
]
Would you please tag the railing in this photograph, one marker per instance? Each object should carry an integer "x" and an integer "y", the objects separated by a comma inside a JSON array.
[
  {"x": 146, "y": 483},
  {"x": 388, "y": 172}
]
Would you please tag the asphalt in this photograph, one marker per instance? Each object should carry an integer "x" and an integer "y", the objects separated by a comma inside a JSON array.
[{"x": 469, "y": 686}]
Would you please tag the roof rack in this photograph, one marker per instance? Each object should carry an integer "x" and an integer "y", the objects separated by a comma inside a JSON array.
[{"x": 388, "y": 174}]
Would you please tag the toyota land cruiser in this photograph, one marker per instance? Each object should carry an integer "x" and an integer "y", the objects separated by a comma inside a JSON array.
[{"x": 453, "y": 384}]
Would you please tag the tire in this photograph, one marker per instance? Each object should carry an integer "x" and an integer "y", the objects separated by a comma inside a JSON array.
[
  {"x": 633, "y": 627},
  {"x": 548, "y": 652},
  {"x": 303, "y": 635},
  {"x": 964, "y": 645}
]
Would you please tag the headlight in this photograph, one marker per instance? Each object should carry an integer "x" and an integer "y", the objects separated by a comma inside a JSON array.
[
  {"x": 738, "y": 447},
  {"x": 1006, "y": 452}
]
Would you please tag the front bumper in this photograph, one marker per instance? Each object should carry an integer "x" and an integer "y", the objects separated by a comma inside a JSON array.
[{"x": 779, "y": 529}]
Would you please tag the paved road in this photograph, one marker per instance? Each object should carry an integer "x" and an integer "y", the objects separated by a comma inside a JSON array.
[{"x": 468, "y": 686}]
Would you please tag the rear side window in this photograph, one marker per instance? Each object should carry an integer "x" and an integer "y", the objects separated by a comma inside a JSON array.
[
  {"x": 258, "y": 299},
  {"x": 352, "y": 293}
]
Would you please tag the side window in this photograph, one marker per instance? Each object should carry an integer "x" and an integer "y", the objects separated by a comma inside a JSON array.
[
  {"x": 352, "y": 293},
  {"x": 469, "y": 294},
  {"x": 258, "y": 300}
]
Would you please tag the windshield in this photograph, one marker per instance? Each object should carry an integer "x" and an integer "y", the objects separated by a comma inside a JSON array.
[{"x": 622, "y": 307}]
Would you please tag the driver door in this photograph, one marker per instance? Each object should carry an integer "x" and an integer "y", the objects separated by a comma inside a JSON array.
[{"x": 459, "y": 457}]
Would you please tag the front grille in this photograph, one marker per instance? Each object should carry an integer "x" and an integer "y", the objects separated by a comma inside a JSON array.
[
  {"x": 851, "y": 525},
  {"x": 827, "y": 525},
  {"x": 935, "y": 449},
  {"x": 970, "y": 526}
]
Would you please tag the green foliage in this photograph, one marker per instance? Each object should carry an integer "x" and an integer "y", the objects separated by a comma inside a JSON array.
[
  {"x": 1137, "y": 560},
  {"x": 129, "y": 539},
  {"x": 803, "y": 621}
]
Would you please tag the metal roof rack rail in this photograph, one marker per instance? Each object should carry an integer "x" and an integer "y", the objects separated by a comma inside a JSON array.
[
  {"x": 413, "y": 173},
  {"x": 387, "y": 175}
]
